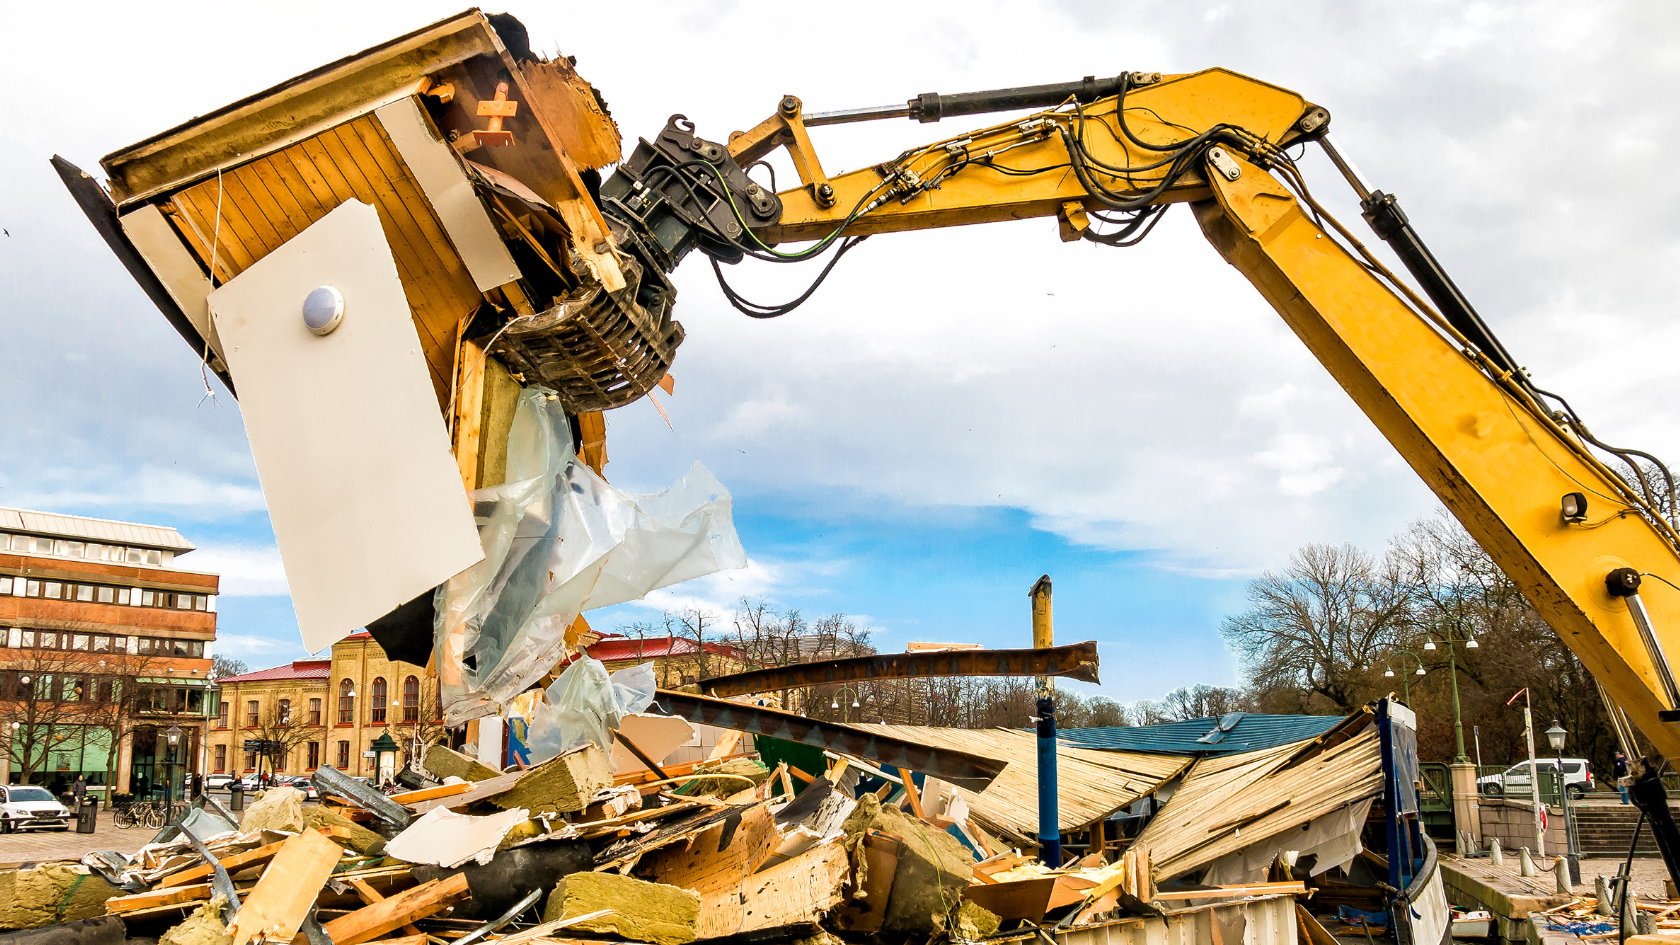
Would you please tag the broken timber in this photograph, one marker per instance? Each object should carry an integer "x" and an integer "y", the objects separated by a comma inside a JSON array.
[
  {"x": 1075, "y": 661},
  {"x": 970, "y": 771}
]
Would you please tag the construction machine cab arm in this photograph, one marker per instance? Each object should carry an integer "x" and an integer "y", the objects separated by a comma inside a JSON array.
[{"x": 1106, "y": 158}]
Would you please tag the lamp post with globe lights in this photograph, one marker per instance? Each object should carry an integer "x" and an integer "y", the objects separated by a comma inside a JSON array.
[
  {"x": 1468, "y": 639},
  {"x": 1406, "y": 682},
  {"x": 834, "y": 702}
]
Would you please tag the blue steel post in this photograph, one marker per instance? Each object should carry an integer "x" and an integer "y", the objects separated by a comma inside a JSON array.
[{"x": 1049, "y": 831}]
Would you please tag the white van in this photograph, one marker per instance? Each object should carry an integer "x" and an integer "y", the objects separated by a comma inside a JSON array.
[{"x": 1513, "y": 781}]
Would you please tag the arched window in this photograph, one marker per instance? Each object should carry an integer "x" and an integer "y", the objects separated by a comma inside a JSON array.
[
  {"x": 377, "y": 699},
  {"x": 346, "y": 702},
  {"x": 411, "y": 699}
]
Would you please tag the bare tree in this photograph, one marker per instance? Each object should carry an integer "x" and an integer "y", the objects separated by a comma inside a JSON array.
[
  {"x": 1334, "y": 610},
  {"x": 224, "y": 666}
]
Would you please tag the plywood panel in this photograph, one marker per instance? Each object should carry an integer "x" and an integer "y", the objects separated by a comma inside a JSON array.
[
  {"x": 270, "y": 200},
  {"x": 367, "y": 505}
]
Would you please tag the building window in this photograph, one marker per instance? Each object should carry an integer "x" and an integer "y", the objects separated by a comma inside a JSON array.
[
  {"x": 411, "y": 699},
  {"x": 314, "y": 714},
  {"x": 285, "y": 711},
  {"x": 378, "y": 700},
  {"x": 221, "y": 759},
  {"x": 251, "y": 713},
  {"x": 222, "y": 715},
  {"x": 250, "y": 761},
  {"x": 344, "y": 756},
  {"x": 314, "y": 755},
  {"x": 346, "y": 703}
]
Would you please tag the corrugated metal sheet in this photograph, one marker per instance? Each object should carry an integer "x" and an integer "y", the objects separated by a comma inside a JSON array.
[
  {"x": 94, "y": 529},
  {"x": 1254, "y": 732},
  {"x": 1090, "y": 784}
]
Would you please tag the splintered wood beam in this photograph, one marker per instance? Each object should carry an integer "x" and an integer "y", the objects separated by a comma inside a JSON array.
[
  {"x": 370, "y": 922},
  {"x": 370, "y": 896},
  {"x": 158, "y": 897},
  {"x": 232, "y": 864}
]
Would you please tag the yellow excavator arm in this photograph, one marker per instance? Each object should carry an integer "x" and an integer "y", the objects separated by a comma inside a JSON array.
[{"x": 1520, "y": 474}]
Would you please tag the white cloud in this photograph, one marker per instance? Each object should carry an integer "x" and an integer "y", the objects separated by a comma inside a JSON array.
[
  {"x": 246, "y": 570},
  {"x": 1139, "y": 399}
]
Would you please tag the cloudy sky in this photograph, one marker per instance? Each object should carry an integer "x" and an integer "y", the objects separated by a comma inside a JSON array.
[{"x": 956, "y": 412}]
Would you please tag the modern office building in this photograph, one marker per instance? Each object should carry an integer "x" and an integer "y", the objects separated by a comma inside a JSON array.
[{"x": 105, "y": 653}]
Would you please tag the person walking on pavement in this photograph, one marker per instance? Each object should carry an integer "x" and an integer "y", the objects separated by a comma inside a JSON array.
[
  {"x": 1620, "y": 772},
  {"x": 79, "y": 789}
]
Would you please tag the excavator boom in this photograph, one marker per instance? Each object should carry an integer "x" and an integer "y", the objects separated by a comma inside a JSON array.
[{"x": 1573, "y": 534}]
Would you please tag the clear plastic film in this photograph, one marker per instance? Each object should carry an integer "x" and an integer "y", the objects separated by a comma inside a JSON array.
[
  {"x": 558, "y": 540},
  {"x": 586, "y": 705}
]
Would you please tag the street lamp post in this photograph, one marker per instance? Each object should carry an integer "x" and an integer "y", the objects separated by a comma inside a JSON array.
[
  {"x": 173, "y": 734},
  {"x": 834, "y": 702},
  {"x": 1407, "y": 681},
  {"x": 1451, "y": 636},
  {"x": 1555, "y": 735}
]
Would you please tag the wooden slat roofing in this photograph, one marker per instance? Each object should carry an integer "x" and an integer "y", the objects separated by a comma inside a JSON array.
[
  {"x": 1228, "y": 802},
  {"x": 1090, "y": 784}
]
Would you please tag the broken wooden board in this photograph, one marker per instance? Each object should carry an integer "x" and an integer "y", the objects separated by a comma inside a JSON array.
[
  {"x": 160, "y": 897},
  {"x": 281, "y": 900},
  {"x": 372, "y": 921},
  {"x": 574, "y": 110},
  {"x": 877, "y": 856},
  {"x": 719, "y": 857},
  {"x": 798, "y": 892},
  {"x": 1025, "y": 899},
  {"x": 232, "y": 864}
]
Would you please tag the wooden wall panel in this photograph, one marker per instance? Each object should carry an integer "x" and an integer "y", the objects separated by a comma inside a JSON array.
[{"x": 274, "y": 198}]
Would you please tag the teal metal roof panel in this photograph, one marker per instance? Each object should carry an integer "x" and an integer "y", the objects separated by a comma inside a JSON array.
[{"x": 1210, "y": 736}]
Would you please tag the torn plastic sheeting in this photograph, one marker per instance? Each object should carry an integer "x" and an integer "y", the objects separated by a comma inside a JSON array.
[
  {"x": 444, "y": 838},
  {"x": 586, "y": 705},
  {"x": 1332, "y": 840},
  {"x": 558, "y": 540}
]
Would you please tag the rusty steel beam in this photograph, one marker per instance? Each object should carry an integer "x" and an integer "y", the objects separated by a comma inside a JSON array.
[
  {"x": 1075, "y": 661},
  {"x": 969, "y": 771}
]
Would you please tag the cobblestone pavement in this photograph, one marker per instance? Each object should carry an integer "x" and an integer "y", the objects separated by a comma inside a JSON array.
[
  {"x": 38, "y": 845},
  {"x": 1648, "y": 874}
]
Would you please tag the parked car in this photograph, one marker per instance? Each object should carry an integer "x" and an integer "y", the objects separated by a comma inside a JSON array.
[
  {"x": 1577, "y": 778},
  {"x": 25, "y": 805},
  {"x": 310, "y": 792},
  {"x": 217, "y": 782}
]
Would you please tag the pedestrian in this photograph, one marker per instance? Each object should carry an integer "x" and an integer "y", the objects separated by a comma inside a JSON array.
[
  {"x": 79, "y": 789},
  {"x": 1620, "y": 771}
]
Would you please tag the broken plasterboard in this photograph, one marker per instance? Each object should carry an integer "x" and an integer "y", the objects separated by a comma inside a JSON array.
[
  {"x": 445, "y": 838},
  {"x": 458, "y": 208},
  {"x": 365, "y": 497},
  {"x": 656, "y": 735},
  {"x": 175, "y": 267}
]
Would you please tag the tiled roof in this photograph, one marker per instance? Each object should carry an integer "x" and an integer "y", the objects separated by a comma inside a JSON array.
[
  {"x": 297, "y": 669},
  {"x": 1251, "y": 731},
  {"x": 94, "y": 529},
  {"x": 612, "y": 649}
]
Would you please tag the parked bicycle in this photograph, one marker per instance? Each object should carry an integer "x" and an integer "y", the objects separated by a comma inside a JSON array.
[{"x": 153, "y": 814}]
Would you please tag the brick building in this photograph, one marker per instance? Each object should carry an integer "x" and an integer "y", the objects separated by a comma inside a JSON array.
[
  {"x": 324, "y": 711},
  {"x": 102, "y": 640}
]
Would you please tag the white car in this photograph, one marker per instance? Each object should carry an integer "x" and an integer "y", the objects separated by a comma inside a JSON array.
[
  {"x": 25, "y": 805},
  {"x": 217, "y": 782},
  {"x": 1577, "y": 776}
]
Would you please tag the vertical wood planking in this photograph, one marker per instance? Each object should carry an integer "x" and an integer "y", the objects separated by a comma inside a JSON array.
[{"x": 272, "y": 199}]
